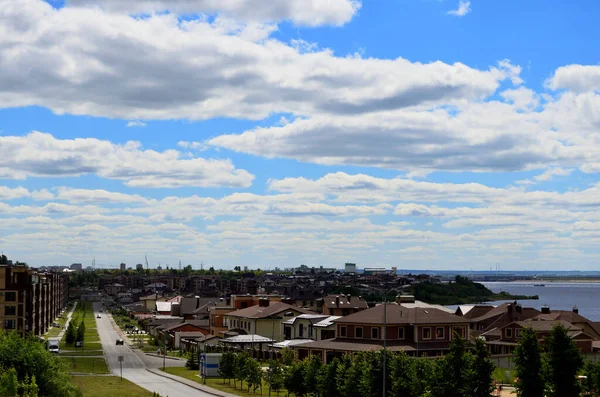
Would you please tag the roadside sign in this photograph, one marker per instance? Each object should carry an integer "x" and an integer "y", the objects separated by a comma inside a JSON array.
[{"x": 120, "y": 358}]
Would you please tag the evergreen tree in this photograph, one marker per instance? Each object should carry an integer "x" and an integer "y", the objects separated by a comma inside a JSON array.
[
  {"x": 423, "y": 376},
  {"x": 371, "y": 378},
  {"x": 402, "y": 372},
  {"x": 227, "y": 365},
  {"x": 80, "y": 332},
  {"x": 348, "y": 375},
  {"x": 529, "y": 365},
  {"x": 311, "y": 371},
  {"x": 564, "y": 362},
  {"x": 192, "y": 361},
  {"x": 70, "y": 334},
  {"x": 483, "y": 368}
]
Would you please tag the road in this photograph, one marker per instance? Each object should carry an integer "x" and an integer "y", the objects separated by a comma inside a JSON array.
[{"x": 134, "y": 365}]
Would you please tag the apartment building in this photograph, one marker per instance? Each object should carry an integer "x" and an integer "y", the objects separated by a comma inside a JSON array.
[{"x": 29, "y": 300}]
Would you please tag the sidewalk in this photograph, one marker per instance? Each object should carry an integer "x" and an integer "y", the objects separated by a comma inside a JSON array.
[
  {"x": 62, "y": 332},
  {"x": 192, "y": 384}
]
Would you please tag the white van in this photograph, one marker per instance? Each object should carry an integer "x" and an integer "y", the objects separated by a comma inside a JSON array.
[{"x": 53, "y": 346}]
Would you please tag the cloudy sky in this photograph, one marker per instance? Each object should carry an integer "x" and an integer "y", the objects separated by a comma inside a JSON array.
[{"x": 422, "y": 134}]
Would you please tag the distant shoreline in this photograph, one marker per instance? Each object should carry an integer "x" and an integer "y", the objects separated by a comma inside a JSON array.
[{"x": 548, "y": 280}]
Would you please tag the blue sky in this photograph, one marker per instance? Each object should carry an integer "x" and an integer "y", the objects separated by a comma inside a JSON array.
[{"x": 429, "y": 134}]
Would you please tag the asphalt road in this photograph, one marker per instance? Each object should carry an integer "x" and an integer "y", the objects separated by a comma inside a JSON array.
[{"x": 134, "y": 365}]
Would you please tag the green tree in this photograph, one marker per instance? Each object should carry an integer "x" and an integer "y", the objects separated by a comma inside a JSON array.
[
  {"x": 241, "y": 368},
  {"x": 253, "y": 373},
  {"x": 591, "y": 384},
  {"x": 483, "y": 368},
  {"x": 349, "y": 373},
  {"x": 70, "y": 334},
  {"x": 326, "y": 379},
  {"x": 287, "y": 356},
  {"x": 402, "y": 372},
  {"x": 32, "y": 361},
  {"x": 227, "y": 365},
  {"x": 371, "y": 377},
  {"x": 275, "y": 376},
  {"x": 311, "y": 371},
  {"x": 80, "y": 332},
  {"x": 529, "y": 365},
  {"x": 9, "y": 383},
  {"x": 564, "y": 362},
  {"x": 455, "y": 371},
  {"x": 294, "y": 378},
  {"x": 423, "y": 376},
  {"x": 192, "y": 361}
]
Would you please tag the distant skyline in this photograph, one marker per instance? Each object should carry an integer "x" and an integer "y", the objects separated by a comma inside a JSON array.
[{"x": 420, "y": 134}]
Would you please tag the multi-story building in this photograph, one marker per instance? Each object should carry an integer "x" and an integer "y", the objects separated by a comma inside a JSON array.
[{"x": 30, "y": 301}]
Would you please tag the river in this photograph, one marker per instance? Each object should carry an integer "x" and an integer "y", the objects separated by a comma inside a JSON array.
[{"x": 557, "y": 295}]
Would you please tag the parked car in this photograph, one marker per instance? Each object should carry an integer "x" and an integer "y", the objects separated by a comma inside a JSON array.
[
  {"x": 79, "y": 343},
  {"x": 119, "y": 341}
]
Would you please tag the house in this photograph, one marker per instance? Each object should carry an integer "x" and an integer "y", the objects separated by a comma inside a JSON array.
[
  {"x": 262, "y": 319},
  {"x": 244, "y": 301},
  {"x": 484, "y": 318},
  {"x": 114, "y": 289},
  {"x": 198, "y": 343},
  {"x": 417, "y": 331},
  {"x": 342, "y": 305},
  {"x": 503, "y": 340},
  {"x": 216, "y": 317},
  {"x": 150, "y": 301},
  {"x": 310, "y": 326}
]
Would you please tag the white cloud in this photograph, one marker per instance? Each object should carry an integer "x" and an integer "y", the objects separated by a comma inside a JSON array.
[
  {"x": 301, "y": 12},
  {"x": 136, "y": 123},
  {"x": 41, "y": 155},
  {"x": 7, "y": 193},
  {"x": 97, "y": 196},
  {"x": 464, "y": 7},
  {"x": 576, "y": 78},
  {"x": 111, "y": 65},
  {"x": 551, "y": 173}
]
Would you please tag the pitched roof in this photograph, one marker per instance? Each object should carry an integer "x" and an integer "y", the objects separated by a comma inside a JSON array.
[
  {"x": 171, "y": 327},
  {"x": 273, "y": 309},
  {"x": 545, "y": 325},
  {"x": 350, "y": 345},
  {"x": 473, "y": 311},
  {"x": 399, "y": 314}
]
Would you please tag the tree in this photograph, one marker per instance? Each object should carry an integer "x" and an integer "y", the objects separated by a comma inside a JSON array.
[
  {"x": 34, "y": 365},
  {"x": 227, "y": 365},
  {"x": 455, "y": 371},
  {"x": 326, "y": 379},
  {"x": 312, "y": 369},
  {"x": 71, "y": 334},
  {"x": 349, "y": 373},
  {"x": 564, "y": 362},
  {"x": 192, "y": 361},
  {"x": 287, "y": 356},
  {"x": 240, "y": 368},
  {"x": 9, "y": 384},
  {"x": 253, "y": 373},
  {"x": 370, "y": 384},
  {"x": 80, "y": 332},
  {"x": 483, "y": 368},
  {"x": 275, "y": 376},
  {"x": 294, "y": 378},
  {"x": 402, "y": 371},
  {"x": 529, "y": 365},
  {"x": 591, "y": 385}
]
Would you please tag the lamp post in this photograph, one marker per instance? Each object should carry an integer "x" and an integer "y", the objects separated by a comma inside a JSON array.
[{"x": 384, "y": 333}]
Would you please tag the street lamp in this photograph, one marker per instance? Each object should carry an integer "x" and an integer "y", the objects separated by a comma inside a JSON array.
[{"x": 384, "y": 333}]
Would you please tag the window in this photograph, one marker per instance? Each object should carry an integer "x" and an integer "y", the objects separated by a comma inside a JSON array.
[
  {"x": 426, "y": 332},
  {"x": 518, "y": 332},
  {"x": 400, "y": 333},
  {"x": 358, "y": 332},
  {"x": 343, "y": 331},
  {"x": 508, "y": 332},
  {"x": 10, "y": 296},
  {"x": 9, "y": 324},
  {"x": 439, "y": 333},
  {"x": 460, "y": 331},
  {"x": 301, "y": 330},
  {"x": 374, "y": 333},
  {"x": 10, "y": 310}
]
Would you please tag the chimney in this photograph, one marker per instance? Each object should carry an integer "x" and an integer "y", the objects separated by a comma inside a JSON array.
[
  {"x": 197, "y": 301},
  {"x": 349, "y": 298},
  {"x": 337, "y": 301},
  {"x": 575, "y": 309},
  {"x": 545, "y": 309},
  {"x": 263, "y": 302}
]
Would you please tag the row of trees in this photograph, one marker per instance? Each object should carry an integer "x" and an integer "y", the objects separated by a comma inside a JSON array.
[
  {"x": 553, "y": 368},
  {"x": 73, "y": 334}
]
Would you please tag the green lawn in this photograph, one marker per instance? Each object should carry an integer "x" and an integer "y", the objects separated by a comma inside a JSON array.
[
  {"x": 86, "y": 346},
  {"x": 88, "y": 365},
  {"x": 499, "y": 375},
  {"x": 219, "y": 384},
  {"x": 102, "y": 386}
]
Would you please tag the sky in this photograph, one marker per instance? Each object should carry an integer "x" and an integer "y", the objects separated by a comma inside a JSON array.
[{"x": 420, "y": 134}]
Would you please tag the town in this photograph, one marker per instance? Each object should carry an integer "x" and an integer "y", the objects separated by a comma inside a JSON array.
[{"x": 299, "y": 314}]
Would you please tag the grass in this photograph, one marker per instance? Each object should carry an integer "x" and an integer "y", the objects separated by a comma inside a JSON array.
[
  {"x": 499, "y": 375},
  {"x": 86, "y": 346},
  {"x": 101, "y": 386},
  {"x": 220, "y": 384},
  {"x": 87, "y": 365}
]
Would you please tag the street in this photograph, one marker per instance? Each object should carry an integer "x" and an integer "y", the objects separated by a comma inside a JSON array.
[{"x": 134, "y": 365}]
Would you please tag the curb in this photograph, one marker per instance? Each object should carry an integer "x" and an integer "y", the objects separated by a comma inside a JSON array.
[
  {"x": 167, "y": 357},
  {"x": 190, "y": 383}
]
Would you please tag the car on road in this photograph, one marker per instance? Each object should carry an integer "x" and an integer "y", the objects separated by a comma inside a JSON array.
[
  {"x": 98, "y": 316},
  {"x": 53, "y": 346},
  {"x": 119, "y": 341}
]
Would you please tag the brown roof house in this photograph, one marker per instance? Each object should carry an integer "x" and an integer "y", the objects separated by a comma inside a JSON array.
[
  {"x": 503, "y": 340},
  {"x": 484, "y": 318},
  {"x": 263, "y": 319},
  {"x": 342, "y": 305},
  {"x": 417, "y": 331}
]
